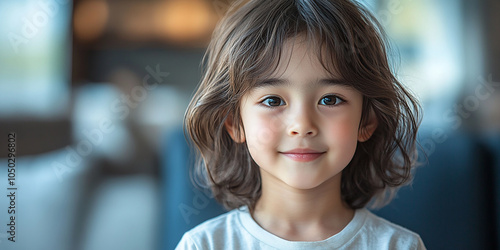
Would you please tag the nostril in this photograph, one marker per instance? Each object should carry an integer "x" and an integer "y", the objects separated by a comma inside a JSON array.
[{"x": 297, "y": 133}]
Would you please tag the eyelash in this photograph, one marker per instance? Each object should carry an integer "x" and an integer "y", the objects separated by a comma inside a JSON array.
[{"x": 338, "y": 100}]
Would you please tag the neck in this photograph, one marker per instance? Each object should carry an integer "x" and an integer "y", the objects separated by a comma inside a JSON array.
[{"x": 302, "y": 215}]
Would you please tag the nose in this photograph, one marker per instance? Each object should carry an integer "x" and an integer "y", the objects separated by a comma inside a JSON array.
[{"x": 302, "y": 123}]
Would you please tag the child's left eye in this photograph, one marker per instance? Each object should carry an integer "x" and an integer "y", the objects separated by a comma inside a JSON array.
[{"x": 331, "y": 100}]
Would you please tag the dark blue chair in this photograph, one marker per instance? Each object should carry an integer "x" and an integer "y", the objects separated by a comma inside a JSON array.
[
  {"x": 492, "y": 145},
  {"x": 184, "y": 205},
  {"x": 451, "y": 201}
]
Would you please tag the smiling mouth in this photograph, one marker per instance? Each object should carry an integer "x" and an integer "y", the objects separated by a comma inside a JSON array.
[{"x": 303, "y": 157}]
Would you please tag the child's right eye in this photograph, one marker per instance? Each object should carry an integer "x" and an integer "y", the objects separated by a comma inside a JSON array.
[{"x": 273, "y": 101}]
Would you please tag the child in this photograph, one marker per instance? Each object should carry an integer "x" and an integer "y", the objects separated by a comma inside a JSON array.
[{"x": 300, "y": 123}]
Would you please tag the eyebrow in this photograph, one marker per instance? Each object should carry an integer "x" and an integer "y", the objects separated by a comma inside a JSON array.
[{"x": 284, "y": 82}]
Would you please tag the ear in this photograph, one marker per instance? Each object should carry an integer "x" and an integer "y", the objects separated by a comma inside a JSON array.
[
  {"x": 366, "y": 131},
  {"x": 232, "y": 130}
]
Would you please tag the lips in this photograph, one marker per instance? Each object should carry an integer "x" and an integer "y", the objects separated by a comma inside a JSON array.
[{"x": 303, "y": 155}]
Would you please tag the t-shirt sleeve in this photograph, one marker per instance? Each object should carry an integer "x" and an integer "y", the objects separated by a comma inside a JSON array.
[
  {"x": 420, "y": 245},
  {"x": 186, "y": 243}
]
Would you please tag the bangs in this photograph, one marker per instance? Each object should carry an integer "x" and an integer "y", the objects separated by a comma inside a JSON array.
[{"x": 344, "y": 45}]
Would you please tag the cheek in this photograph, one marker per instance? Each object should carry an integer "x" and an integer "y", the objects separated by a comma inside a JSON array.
[
  {"x": 262, "y": 131},
  {"x": 344, "y": 133}
]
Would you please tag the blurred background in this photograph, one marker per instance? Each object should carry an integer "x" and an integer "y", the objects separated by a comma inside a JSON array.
[{"x": 95, "y": 91}]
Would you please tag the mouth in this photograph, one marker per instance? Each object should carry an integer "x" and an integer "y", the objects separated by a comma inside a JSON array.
[{"x": 303, "y": 155}]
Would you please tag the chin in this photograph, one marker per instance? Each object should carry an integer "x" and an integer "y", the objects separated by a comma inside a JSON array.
[{"x": 304, "y": 183}]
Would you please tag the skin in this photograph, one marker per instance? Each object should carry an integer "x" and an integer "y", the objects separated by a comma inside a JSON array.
[{"x": 301, "y": 201}]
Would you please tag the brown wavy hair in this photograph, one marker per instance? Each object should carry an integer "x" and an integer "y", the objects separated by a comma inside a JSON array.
[{"x": 246, "y": 46}]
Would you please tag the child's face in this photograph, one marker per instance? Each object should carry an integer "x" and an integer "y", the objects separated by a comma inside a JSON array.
[{"x": 305, "y": 113}]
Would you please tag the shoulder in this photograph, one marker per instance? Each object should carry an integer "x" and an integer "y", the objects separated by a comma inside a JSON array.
[
  {"x": 211, "y": 233},
  {"x": 215, "y": 224},
  {"x": 388, "y": 235}
]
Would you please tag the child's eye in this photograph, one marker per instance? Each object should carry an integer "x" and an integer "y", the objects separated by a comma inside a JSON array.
[
  {"x": 273, "y": 101},
  {"x": 331, "y": 100}
]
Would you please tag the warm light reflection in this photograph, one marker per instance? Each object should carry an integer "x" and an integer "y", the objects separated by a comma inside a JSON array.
[
  {"x": 184, "y": 20},
  {"x": 90, "y": 19},
  {"x": 139, "y": 26}
]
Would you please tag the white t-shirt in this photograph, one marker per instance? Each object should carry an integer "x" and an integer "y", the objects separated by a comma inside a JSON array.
[{"x": 237, "y": 230}]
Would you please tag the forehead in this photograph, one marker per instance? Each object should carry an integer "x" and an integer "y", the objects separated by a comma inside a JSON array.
[{"x": 297, "y": 52}]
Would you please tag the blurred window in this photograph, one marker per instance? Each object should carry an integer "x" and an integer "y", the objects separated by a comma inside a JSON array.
[{"x": 35, "y": 51}]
